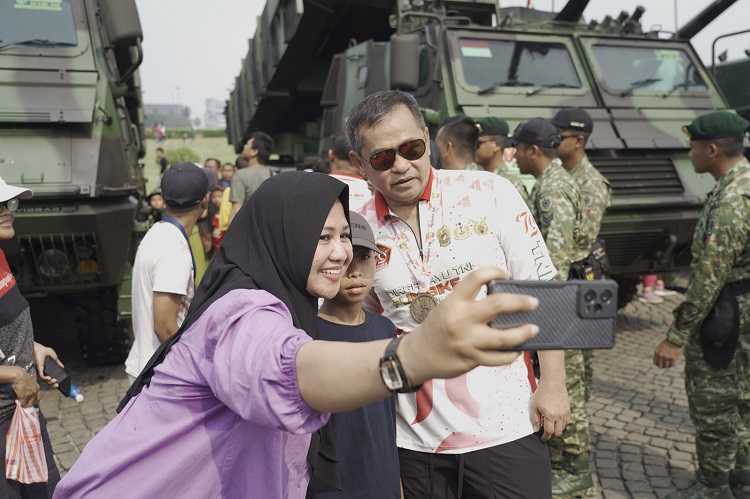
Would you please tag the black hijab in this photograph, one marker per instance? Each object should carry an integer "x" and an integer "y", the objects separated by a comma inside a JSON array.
[{"x": 270, "y": 245}]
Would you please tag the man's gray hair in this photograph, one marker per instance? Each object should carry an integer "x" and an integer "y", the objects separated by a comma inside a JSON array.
[{"x": 373, "y": 108}]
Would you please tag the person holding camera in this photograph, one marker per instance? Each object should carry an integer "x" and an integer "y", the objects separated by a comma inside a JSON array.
[
  {"x": 474, "y": 434},
  {"x": 556, "y": 204},
  {"x": 712, "y": 325}
]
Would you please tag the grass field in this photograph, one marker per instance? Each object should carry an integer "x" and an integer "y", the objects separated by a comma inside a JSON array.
[{"x": 203, "y": 147}]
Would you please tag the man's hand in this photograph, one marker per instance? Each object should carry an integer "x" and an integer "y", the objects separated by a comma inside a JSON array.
[
  {"x": 455, "y": 337},
  {"x": 41, "y": 353},
  {"x": 26, "y": 388},
  {"x": 550, "y": 409},
  {"x": 667, "y": 354}
]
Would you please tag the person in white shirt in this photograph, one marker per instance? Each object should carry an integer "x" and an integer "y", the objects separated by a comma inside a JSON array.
[
  {"x": 342, "y": 169},
  {"x": 164, "y": 270},
  {"x": 474, "y": 434}
]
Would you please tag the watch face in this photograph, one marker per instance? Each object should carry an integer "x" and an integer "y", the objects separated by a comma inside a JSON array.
[{"x": 391, "y": 377}]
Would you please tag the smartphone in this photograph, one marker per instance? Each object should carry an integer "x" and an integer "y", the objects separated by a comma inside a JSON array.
[{"x": 571, "y": 314}]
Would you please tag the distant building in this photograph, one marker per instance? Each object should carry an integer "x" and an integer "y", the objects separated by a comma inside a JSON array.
[
  {"x": 171, "y": 115},
  {"x": 214, "y": 117}
]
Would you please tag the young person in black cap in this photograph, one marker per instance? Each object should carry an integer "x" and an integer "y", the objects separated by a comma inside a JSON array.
[
  {"x": 493, "y": 137},
  {"x": 164, "y": 270},
  {"x": 576, "y": 127},
  {"x": 366, "y": 453},
  {"x": 556, "y": 205}
]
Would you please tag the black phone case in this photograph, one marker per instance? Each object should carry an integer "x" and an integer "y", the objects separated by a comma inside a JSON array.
[{"x": 571, "y": 314}]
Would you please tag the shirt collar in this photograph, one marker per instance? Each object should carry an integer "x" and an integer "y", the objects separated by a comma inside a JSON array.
[{"x": 382, "y": 210}]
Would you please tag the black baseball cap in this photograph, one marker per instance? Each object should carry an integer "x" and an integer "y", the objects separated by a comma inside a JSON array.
[
  {"x": 538, "y": 132},
  {"x": 184, "y": 186},
  {"x": 573, "y": 118}
]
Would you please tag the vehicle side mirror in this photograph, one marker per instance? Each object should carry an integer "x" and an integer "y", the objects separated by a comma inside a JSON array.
[
  {"x": 405, "y": 62},
  {"x": 121, "y": 22}
]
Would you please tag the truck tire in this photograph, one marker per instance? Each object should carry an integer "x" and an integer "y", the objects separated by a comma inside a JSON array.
[{"x": 104, "y": 339}]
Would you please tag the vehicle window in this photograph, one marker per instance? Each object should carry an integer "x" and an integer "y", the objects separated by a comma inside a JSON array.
[
  {"x": 647, "y": 68},
  {"x": 37, "y": 22},
  {"x": 517, "y": 63}
]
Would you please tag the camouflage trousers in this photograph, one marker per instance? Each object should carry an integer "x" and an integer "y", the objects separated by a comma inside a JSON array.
[
  {"x": 588, "y": 372},
  {"x": 576, "y": 439},
  {"x": 719, "y": 401}
]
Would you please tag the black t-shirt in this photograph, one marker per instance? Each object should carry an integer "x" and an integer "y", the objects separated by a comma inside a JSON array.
[
  {"x": 366, "y": 454},
  {"x": 16, "y": 334}
]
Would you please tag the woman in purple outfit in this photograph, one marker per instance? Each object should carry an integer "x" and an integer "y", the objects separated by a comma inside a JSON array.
[{"x": 227, "y": 408}]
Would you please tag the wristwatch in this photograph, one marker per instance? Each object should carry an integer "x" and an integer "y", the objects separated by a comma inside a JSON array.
[{"x": 392, "y": 372}]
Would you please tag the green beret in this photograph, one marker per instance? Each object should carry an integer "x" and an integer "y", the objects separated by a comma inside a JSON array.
[
  {"x": 716, "y": 125},
  {"x": 493, "y": 126}
]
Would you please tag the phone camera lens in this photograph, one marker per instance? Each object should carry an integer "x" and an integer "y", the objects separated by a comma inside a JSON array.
[
  {"x": 606, "y": 296},
  {"x": 590, "y": 296}
]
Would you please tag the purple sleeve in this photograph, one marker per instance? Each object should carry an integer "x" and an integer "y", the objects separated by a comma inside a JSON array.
[{"x": 255, "y": 371}]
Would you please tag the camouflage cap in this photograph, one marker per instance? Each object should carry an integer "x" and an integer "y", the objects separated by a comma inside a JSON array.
[
  {"x": 493, "y": 126},
  {"x": 573, "y": 118},
  {"x": 716, "y": 125},
  {"x": 538, "y": 132}
]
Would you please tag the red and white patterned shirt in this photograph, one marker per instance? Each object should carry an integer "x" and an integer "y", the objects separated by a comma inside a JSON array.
[{"x": 468, "y": 219}]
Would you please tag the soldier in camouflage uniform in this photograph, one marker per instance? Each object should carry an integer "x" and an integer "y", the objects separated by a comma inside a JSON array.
[
  {"x": 717, "y": 369},
  {"x": 556, "y": 205},
  {"x": 575, "y": 128},
  {"x": 493, "y": 135}
]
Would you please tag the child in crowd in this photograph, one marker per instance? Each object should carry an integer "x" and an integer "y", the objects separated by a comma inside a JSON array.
[{"x": 365, "y": 439}]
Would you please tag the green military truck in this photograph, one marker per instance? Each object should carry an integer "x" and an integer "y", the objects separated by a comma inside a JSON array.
[
  {"x": 71, "y": 129},
  {"x": 310, "y": 62}
]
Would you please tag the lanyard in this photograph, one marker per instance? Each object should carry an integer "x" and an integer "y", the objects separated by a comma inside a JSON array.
[{"x": 171, "y": 220}]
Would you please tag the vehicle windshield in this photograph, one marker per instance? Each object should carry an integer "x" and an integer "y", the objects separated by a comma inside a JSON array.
[
  {"x": 37, "y": 22},
  {"x": 651, "y": 69},
  {"x": 487, "y": 63}
]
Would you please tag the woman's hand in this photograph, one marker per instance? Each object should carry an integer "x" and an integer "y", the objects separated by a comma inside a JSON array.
[
  {"x": 41, "y": 353},
  {"x": 455, "y": 337},
  {"x": 26, "y": 388}
]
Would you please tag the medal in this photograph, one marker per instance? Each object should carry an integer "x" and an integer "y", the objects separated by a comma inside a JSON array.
[
  {"x": 421, "y": 307},
  {"x": 481, "y": 228},
  {"x": 462, "y": 232},
  {"x": 444, "y": 236}
]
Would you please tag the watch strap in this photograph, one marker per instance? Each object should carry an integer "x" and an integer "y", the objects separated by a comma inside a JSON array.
[{"x": 391, "y": 352}]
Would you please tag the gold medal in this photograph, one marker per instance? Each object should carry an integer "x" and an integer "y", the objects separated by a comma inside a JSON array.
[
  {"x": 444, "y": 236},
  {"x": 421, "y": 307},
  {"x": 462, "y": 231},
  {"x": 481, "y": 228}
]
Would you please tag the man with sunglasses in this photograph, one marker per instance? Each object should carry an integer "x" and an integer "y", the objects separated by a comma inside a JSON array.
[
  {"x": 473, "y": 435},
  {"x": 493, "y": 137},
  {"x": 556, "y": 203}
]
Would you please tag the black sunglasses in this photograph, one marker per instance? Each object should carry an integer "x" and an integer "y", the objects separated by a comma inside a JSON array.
[
  {"x": 410, "y": 150},
  {"x": 10, "y": 205}
]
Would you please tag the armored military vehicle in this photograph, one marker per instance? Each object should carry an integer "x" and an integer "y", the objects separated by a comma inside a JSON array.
[
  {"x": 71, "y": 129},
  {"x": 310, "y": 62}
]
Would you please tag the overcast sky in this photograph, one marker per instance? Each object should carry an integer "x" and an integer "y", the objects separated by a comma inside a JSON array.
[{"x": 193, "y": 48}]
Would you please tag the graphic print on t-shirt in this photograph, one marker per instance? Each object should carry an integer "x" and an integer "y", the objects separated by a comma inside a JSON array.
[{"x": 468, "y": 220}]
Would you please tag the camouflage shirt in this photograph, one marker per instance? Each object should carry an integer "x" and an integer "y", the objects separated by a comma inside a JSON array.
[
  {"x": 556, "y": 205},
  {"x": 721, "y": 250},
  {"x": 515, "y": 179},
  {"x": 595, "y": 196}
]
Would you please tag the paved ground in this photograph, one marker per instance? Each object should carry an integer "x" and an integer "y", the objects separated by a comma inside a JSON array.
[{"x": 642, "y": 433}]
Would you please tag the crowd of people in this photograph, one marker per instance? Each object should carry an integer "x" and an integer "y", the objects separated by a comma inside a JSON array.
[{"x": 324, "y": 334}]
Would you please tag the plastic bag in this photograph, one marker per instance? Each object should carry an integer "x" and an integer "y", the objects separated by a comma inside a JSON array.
[{"x": 25, "y": 461}]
